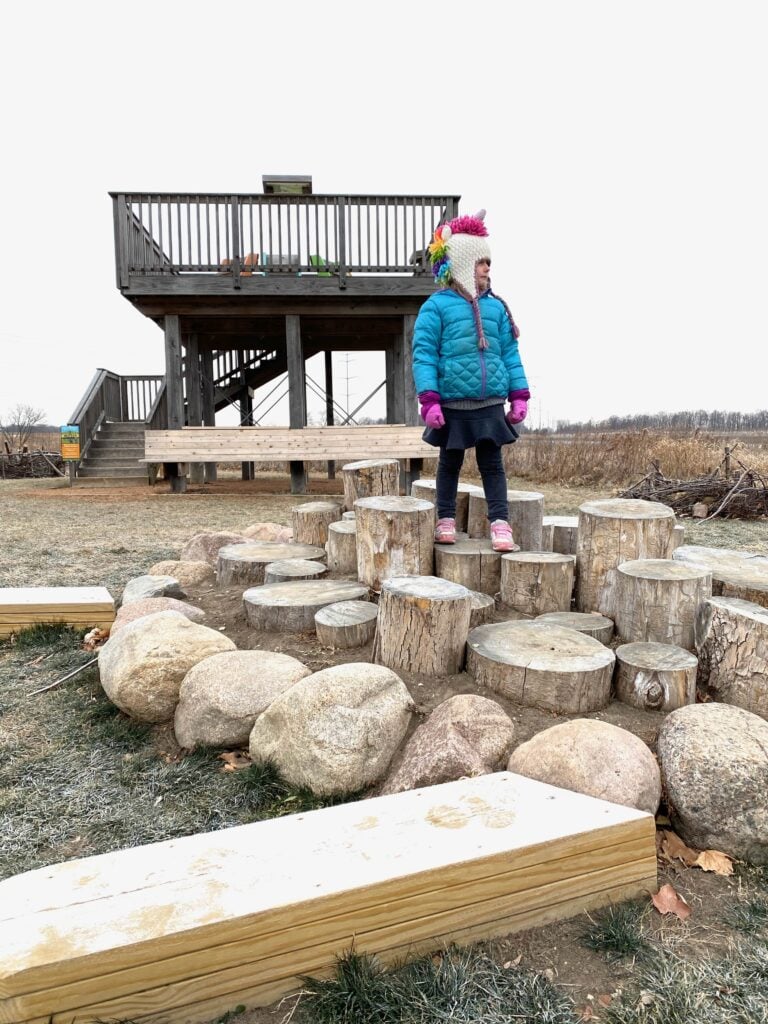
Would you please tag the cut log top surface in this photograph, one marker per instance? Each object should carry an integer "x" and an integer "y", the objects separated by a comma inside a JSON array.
[
  {"x": 737, "y": 568},
  {"x": 660, "y": 657},
  {"x": 569, "y": 521},
  {"x": 627, "y": 508},
  {"x": 343, "y": 526},
  {"x": 745, "y": 609},
  {"x": 540, "y": 645},
  {"x": 270, "y": 551},
  {"x": 463, "y": 488},
  {"x": 311, "y": 507},
  {"x": 468, "y": 546},
  {"x": 344, "y": 613},
  {"x": 662, "y": 569},
  {"x": 303, "y": 592},
  {"x": 428, "y": 588},
  {"x": 295, "y": 566},
  {"x": 160, "y": 891},
  {"x": 577, "y": 620},
  {"x": 538, "y": 556},
  {"x": 525, "y": 496},
  {"x": 64, "y": 597},
  {"x": 393, "y": 503},
  {"x": 368, "y": 464}
]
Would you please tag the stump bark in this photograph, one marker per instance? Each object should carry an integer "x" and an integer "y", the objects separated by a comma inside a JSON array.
[
  {"x": 293, "y": 569},
  {"x": 734, "y": 573},
  {"x": 245, "y": 563},
  {"x": 732, "y": 644},
  {"x": 472, "y": 563},
  {"x": 312, "y": 519},
  {"x": 535, "y": 582},
  {"x": 369, "y": 478},
  {"x": 655, "y": 677},
  {"x": 541, "y": 666},
  {"x": 482, "y": 609},
  {"x": 590, "y": 623},
  {"x": 427, "y": 490},
  {"x": 559, "y": 534},
  {"x": 346, "y": 624},
  {"x": 291, "y": 607},
  {"x": 526, "y": 512},
  {"x": 422, "y": 625},
  {"x": 610, "y": 532},
  {"x": 342, "y": 546},
  {"x": 394, "y": 538},
  {"x": 656, "y": 600}
]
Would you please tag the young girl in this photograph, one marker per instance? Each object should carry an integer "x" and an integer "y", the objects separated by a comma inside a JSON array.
[{"x": 466, "y": 364}]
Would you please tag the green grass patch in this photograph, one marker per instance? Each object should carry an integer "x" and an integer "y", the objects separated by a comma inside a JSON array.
[
  {"x": 617, "y": 932},
  {"x": 48, "y": 634}
]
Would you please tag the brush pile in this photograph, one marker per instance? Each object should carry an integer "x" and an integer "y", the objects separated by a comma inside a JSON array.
[{"x": 19, "y": 465}]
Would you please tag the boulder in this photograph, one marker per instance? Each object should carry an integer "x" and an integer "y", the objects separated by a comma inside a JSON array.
[
  {"x": 335, "y": 731},
  {"x": 141, "y": 669},
  {"x": 595, "y": 758},
  {"x": 268, "y": 531},
  {"x": 204, "y": 547},
  {"x": 150, "y": 606},
  {"x": 189, "y": 574},
  {"x": 142, "y": 587},
  {"x": 221, "y": 697},
  {"x": 466, "y": 735},
  {"x": 714, "y": 762}
]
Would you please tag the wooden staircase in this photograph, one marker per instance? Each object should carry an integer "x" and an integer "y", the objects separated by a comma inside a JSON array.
[{"x": 113, "y": 455}]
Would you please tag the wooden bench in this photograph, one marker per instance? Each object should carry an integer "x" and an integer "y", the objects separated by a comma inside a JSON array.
[{"x": 175, "y": 449}]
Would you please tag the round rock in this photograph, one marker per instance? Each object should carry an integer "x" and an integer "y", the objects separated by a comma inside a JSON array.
[
  {"x": 204, "y": 547},
  {"x": 187, "y": 573},
  {"x": 151, "y": 606}
]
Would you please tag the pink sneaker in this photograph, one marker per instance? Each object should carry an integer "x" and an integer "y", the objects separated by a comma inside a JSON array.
[
  {"x": 501, "y": 536},
  {"x": 445, "y": 531}
]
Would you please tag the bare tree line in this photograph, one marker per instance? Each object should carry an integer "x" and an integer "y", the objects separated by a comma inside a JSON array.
[{"x": 689, "y": 420}]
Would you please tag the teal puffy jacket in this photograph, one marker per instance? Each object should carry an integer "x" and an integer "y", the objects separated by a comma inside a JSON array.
[{"x": 446, "y": 358}]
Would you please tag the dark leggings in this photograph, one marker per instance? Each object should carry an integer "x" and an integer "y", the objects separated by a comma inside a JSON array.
[{"x": 488, "y": 455}]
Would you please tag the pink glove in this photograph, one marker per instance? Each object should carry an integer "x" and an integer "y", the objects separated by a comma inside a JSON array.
[
  {"x": 431, "y": 411},
  {"x": 518, "y": 411}
]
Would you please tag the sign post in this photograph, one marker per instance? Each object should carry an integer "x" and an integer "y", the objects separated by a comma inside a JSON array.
[{"x": 70, "y": 448}]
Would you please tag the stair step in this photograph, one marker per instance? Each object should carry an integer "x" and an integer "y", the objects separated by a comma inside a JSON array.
[{"x": 109, "y": 472}]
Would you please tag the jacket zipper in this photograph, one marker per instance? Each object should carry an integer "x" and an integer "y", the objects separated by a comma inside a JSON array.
[{"x": 483, "y": 370}]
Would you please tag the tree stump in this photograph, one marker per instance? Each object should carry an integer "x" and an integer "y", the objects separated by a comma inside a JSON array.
[
  {"x": 482, "y": 609},
  {"x": 342, "y": 547},
  {"x": 541, "y": 666},
  {"x": 346, "y": 624},
  {"x": 534, "y": 582},
  {"x": 610, "y": 532},
  {"x": 472, "y": 563},
  {"x": 656, "y": 599},
  {"x": 312, "y": 519},
  {"x": 395, "y": 537},
  {"x": 732, "y": 644},
  {"x": 293, "y": 569},
  {"x": 422, "y": 626},
  {"x": 245, "y": 563},
  {"x": 734, "y": 573},
  {"x": 291, "y": 607},
  {"x": 678, "y": 538},
  {"x": 369, "y": 478},
  {"x": 558, "y": 533},
  {"x": 655, "y": 677},
  {"x": 526, "y": 512},
  {"x": 427, "y": 490},
  {"x": 349, "y": 515},
  {"x": 590, "y": 623}
]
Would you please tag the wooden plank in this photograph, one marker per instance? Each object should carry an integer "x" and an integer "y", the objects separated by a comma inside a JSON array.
[
  {"x": 104, "y": 914},
  {"x": 97, "y": 597}
]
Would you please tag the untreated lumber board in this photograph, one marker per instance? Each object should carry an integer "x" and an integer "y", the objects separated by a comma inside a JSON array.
[
  {"x": 75, "y": 606},
  {"x": 182, "y": 930}
]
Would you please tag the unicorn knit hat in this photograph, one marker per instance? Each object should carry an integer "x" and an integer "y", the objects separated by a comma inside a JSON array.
[{"x": 456, "y": 248}]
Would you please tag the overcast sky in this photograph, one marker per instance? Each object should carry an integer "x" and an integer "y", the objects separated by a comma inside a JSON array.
[{"x": 618, "y": 147}]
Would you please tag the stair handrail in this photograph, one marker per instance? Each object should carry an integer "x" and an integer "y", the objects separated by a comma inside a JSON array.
[
  {"x": 101, "y": 399},
  {"x": 157, "y": 417}
]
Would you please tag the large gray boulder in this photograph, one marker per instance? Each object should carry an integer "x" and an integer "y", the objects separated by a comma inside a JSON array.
[
  {"x": 142, "y": 587},
  {"x": 221, "y": 697},
  {"x": 714, "y": 762},
  {"x": 466, "y": 735},
  {"x": 151, "y": 606},
  {"x": 336, "y": 731},
  {"x": 189, "y": 574},
  {"x": 592, "y": 757},
  {"x": 204, "y": 547},
  {"x": 141, "y": 668}
]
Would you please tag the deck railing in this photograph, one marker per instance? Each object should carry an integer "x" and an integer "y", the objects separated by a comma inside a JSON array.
[{"x": 242, "y": 235}]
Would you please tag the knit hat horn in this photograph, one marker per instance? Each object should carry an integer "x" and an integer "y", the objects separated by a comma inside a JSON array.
[{"x": 454, "y": 252}]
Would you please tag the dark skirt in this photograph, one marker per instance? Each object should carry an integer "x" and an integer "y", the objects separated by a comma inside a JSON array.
[{"x": 465, "y": 427}]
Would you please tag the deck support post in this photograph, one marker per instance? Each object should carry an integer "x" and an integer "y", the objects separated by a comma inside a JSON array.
[
  {"x": 297, "y": 393},
  {"x": 329, "y": 403},
  {"x": 404, "y": 404},
  {"x": 194, "y": 398},
  {"x": 208, "y": 406},
  {"x": 174, "y": 387}
]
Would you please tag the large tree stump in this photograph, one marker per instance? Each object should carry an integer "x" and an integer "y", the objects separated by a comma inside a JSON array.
[
  {"x": 732, "y": 644},
  {"x": 395, "y": 537},
  {"x": 610, "y": 532},
  {"x": 369, "y": 478},
  {"x": 291, "y": 607},
  {"x": 422, "y": 625},
  {"x": 591, "y": 623},
  {"x": 655, "y": 677},
  {"x": 656, "y": 599},
  {"x": 293, "y": 569},
  {"x": 346, "y": 624},
  {"x": 349, "y": 514},
  {"x": 734, "y": 573},
  {"x": 483, "y": 608},
  {"x": 534, "y": 582},
  {"x": 245, "y": 563},
  {"x": 541, "y": 666},
  {"x": 426, "y": 488},
  {"x": 342, "y": 546},
  {"x": 526, "y": 512},
  {"x": 558, "y": 533},
  {"x": 312, "y": 519},
  {"x": 472, "y": 563},
  {"x": 676, "y": 540}
]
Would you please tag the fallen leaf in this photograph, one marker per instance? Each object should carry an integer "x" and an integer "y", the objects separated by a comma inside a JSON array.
[
  {"x": 234, "y": 760},
  {"x": 673, "y": 848},
  {"x": 667, "y": 901},
  {"x": 587, "y": 1013},
  {"x": 605, "y": 999},
  {"x": 713, "y": 860},
  {"x": 513, "y": 963},
  {"x": 95, "y": 638}
]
